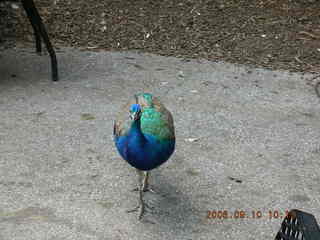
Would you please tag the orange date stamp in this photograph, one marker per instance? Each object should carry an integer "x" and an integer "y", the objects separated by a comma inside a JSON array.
[{"x": 242, "y": 214}]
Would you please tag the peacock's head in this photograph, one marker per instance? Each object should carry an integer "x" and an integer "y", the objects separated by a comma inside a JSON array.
[{"x": 135, "y": 112}]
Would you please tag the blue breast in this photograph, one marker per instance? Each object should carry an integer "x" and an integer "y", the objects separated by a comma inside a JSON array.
[{"x": 144, "y": 153}]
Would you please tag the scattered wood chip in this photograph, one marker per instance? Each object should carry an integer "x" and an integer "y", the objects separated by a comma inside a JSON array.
[
  {"x": 14, "y": 6},
  {"x": 310, "y": 35},
  {"x": 164, "y": 83},
  {"x": 180, "y": 74},
  {"x": 192, "y": 139},
  {"x": 137, "y": 66},
  {"x": 192, "y": 172},
  {"x": 235, "y": 179},
  {"x": 298, "y": 60},
  {"x": 92, "y": 47},
  {"x": 87, "y": 116}
]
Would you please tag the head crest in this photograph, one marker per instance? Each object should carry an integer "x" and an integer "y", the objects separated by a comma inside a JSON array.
[{"x": 135, "y": 108}]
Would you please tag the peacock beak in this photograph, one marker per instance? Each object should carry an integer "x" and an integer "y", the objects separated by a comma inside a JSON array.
[{"x": 133, "y": 116}]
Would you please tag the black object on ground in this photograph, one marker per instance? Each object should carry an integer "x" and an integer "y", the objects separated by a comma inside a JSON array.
[
  {"x": 299, "y": 225},
  {"x": 40, "y": 32}
]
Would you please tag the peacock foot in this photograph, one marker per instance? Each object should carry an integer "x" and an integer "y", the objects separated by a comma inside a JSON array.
[
  {"x": 142, "y": 208},
  {"x": 146, "y": 189}
]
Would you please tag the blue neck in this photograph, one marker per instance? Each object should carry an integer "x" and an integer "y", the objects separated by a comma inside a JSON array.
[{"x": 135, "y": 131}]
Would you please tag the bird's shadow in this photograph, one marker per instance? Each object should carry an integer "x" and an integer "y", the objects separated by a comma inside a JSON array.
[{"x": 172, "y": 208}]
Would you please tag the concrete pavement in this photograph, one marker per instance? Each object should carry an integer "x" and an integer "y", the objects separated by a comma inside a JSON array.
[{"x": 247, "y": 140}]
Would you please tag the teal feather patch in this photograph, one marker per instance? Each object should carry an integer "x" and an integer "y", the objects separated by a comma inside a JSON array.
[{"x": 156, "y": 120}]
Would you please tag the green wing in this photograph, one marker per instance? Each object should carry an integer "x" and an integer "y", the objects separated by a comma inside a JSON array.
[{"x": 156, "y": 120}]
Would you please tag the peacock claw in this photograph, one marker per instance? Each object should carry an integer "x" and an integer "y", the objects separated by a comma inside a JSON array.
[
  {"x": 142, "y": 207},
  {"x": 148, "y": 207},
  {"x": 135, "y": 189},
  {"x": 148, "y": 189},
  {"x": 134, "y": 209}
]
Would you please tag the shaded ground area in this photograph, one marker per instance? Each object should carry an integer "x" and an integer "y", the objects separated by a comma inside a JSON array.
[{"x": 276, "y": 34}]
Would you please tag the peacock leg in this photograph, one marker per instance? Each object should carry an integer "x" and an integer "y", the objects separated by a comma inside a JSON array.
[
  {"x": 145, "y": 183},
  {"x": 143, "y": 179},
  {"x": 139, "y": 172},
  {"x": 142, "y": 186},
  {"x": 141, "y": 202}
]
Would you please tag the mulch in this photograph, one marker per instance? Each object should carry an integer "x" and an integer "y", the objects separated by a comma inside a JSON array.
[{"x": 274, "y": 34}]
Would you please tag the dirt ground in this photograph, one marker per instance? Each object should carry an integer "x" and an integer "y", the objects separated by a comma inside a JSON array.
[{"x": 275, "y": 34}]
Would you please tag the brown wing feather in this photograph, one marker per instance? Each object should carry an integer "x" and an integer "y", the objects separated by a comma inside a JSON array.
[{"x": 122, "y": 122}]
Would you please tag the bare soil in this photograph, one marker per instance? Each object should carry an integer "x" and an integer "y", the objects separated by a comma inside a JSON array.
[{"x": 275, "y": 34}]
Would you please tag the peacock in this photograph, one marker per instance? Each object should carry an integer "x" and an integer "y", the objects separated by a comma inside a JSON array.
[{"x": 144, "y": 136}]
